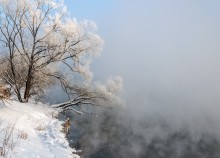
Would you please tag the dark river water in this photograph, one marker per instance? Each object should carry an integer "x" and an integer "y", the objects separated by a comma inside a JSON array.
[{"x": 110, "y": 135}]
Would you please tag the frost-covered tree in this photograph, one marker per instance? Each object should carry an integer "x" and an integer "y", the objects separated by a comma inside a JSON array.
[{"x": 42, "y": 46}]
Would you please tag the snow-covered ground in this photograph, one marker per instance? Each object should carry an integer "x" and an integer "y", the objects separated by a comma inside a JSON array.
[{"x": 37, "y": 133}]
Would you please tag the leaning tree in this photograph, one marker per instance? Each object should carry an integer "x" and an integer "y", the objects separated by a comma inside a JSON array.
[{"x": 42, "y": 46}]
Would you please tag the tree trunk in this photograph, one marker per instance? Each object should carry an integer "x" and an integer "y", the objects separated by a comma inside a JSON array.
[
  {"x": 27, "y": 90},
  {"x": 28, "y": 85},
  {"x": 17, "y": 90},
  {"x": 19, "y": 95}
]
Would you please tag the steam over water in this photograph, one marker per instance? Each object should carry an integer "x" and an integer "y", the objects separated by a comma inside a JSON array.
[{"x": 114, "y": 133}]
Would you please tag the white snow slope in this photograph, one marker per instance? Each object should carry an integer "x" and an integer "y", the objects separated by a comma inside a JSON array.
[{"x": 37, "y": 133}]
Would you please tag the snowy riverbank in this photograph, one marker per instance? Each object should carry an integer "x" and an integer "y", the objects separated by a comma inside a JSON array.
[{"x": 36, "y": 134}]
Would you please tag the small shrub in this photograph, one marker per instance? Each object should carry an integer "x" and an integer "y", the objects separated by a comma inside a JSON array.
[
  {"x": 66, "y": 126},
  {"x": 7, "y": 141},
  {"x": 4, "y": 92},
  {"x": 41, "y": 127},
  {"x": 23, "y": 135}
]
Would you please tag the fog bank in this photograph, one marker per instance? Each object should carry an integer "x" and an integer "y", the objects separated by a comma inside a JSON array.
[{"x": 168, "y": 54}]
